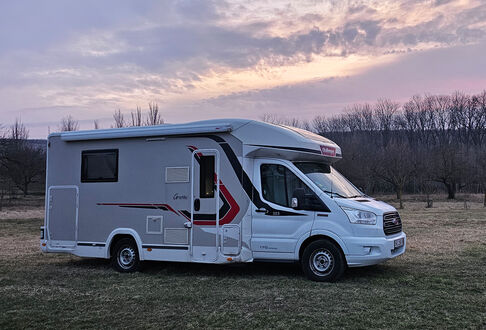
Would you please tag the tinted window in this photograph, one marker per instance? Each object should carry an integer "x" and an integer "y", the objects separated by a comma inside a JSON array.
[
  {"x": 279, "y": 183},
  {"x": 99, "y": 166},
  {"x": 206, "y": 177}
]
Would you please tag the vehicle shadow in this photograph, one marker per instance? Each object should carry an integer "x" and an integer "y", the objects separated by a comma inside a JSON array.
[
  {"x": 255, "y": 269},
  {"x": 243, "y": 270},
  {"x": 260, "y": 269}
]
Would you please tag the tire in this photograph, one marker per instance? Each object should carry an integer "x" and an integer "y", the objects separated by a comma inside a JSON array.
[
  {"x": 323, "y": 261},
  {"x": 125, "y": 257}
]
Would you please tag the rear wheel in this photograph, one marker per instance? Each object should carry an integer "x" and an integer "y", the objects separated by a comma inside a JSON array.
[
  {"x": 125, "y": 258},
  {"x": 323, "y": 261}
]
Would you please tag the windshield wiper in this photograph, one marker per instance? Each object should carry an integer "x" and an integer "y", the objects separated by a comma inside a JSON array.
[
  {"x": 333, "y": 192},
  {"x": 355, "y": 196}
]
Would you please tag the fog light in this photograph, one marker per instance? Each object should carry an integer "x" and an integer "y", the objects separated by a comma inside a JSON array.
[{"x": 366, "y": 249}]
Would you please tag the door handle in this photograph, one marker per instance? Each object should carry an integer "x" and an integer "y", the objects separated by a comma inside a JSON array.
[
  {"x": 261, "y": 210},
  {"x": 197, "y": 204}
]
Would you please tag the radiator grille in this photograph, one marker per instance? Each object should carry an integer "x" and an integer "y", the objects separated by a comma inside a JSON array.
[{"x": 392, "y": 224}]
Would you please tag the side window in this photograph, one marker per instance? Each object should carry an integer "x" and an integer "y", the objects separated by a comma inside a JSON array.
[
  {"x": 273, "y": 184},
  {"x": 99, "y": 165},
  {"x": 279, "y": 184},
  {"x": 206, "y": 177}
]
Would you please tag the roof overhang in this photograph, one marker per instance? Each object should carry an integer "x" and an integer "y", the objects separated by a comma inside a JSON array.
[
  {"x": 147, "y": 131},
  {"x": 288, "y": 154}
]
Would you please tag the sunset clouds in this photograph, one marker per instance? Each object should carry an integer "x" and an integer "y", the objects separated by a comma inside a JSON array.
[{"x": 206, "y": 59}]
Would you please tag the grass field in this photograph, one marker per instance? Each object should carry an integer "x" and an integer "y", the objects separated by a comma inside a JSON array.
[{"x": 440, "y": 282}]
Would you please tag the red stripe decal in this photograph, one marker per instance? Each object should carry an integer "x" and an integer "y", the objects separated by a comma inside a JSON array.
[
  {"x": 229, "y": 216},
  {"x": 141, "y": 204},
  {"x": 234, "y": 207}
]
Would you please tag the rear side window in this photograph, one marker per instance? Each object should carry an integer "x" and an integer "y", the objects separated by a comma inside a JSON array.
[{"x": 99, "y": 165}]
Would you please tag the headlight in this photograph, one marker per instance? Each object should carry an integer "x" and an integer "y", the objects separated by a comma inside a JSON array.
[{"x": 361, "y": 217}]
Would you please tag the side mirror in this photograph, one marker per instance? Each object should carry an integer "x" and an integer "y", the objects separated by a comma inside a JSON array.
[
  {"x": 294, "y": 203},
  {"x": 298, "y": 197}
]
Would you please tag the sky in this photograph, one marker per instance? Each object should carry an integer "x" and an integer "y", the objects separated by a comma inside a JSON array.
[{"x": 203, "y": 59}]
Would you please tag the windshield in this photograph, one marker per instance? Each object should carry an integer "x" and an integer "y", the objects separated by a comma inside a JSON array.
[{"x": 328, "y": 179}]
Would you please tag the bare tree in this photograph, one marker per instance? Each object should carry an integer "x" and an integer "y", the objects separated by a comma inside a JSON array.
[
  {"x": 276, "y": 119},
  {"x": 270, "y": 118},
  {"x": 3, "y": 174},
  {"x": 18, "y": 131},
  {"x": 119, "y": 119},
  {"x": 319, "y": 125},
  {"x": 395, "y": 166},
  {"x": 21, "y": 163},
  {"x": 137, "y": 117},
  {"x": 385, "y": 111},
  {"x": 481, "y": 117},
  {"x": 419, "y": 119},
  {"x": 153, "y": 116},
  {"x": 4, "y": 187},
  {"x": 442, "y": 119},
  {"x": 448, "y": 163},
  {"x": 359, "y": 117},
  {"x": 480, "y": 170},
  {"x": 68, "y": 124}
]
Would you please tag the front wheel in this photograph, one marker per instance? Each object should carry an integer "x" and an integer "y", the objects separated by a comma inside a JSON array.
[
  {"x": 125, "y": 257},
  {"x": 323, "y": 261}
]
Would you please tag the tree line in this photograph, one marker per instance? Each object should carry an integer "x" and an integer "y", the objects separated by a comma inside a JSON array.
[
  {"x": 427, "y": 144},
  {"x": 21, "y": 162}
]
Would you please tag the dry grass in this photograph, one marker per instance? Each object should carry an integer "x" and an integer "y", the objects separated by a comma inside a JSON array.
[
  {"x": 439, "y": 283},
  {"x": 29, "y": 207}
]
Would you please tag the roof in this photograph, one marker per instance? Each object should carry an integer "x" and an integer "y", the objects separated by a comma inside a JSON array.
[
  {"x": 280, "y": 141},
  {"x": 261, "y": 139}
]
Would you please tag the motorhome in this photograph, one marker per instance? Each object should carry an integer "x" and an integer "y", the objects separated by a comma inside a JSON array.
[{"x": 217, "y": 191}]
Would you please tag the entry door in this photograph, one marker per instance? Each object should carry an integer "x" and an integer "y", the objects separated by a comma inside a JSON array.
[
  {"x": 205, "y": 204},
  {"x": 62, "y": 216},
  {"x": 276, "y": 226}
]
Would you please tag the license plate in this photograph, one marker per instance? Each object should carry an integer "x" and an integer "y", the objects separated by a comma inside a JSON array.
[{"x": 398, "y": 243}]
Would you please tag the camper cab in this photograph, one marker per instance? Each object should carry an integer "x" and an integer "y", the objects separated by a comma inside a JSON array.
[{"x": 218, "y": 191}]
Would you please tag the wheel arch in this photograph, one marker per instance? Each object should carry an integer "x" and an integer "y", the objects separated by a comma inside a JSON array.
[
  {"x": 317, "y": 236},
  {"x": 120, "y": 233}
]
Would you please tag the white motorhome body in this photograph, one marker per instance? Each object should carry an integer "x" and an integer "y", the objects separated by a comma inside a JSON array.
[{"x": 215, "y": 191}]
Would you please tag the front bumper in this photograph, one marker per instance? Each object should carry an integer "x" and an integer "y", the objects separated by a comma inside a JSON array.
[{"x": 366, "y": 251}]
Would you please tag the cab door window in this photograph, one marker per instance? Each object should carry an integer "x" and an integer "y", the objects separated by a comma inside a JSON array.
[{"x": 279, "y": 184}]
